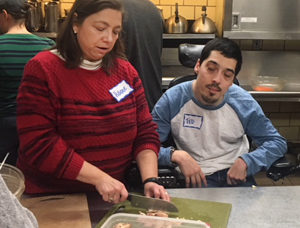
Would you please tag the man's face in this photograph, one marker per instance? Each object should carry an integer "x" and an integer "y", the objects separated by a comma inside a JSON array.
[{"x": 215, "y": 76}]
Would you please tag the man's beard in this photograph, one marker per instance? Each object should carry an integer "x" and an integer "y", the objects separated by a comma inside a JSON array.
[{"x": 210, "y": 100}]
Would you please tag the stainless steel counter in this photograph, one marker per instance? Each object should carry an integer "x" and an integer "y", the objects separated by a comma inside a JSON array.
[
  {"x": 267, "y": 207},
  {"x": 263, "y": 207}
]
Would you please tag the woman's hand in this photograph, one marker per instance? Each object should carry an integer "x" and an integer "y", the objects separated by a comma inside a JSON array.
[
  {"x": 147, "y": 162},
  {"x": 154, "y": 190},
  {"x": 112, "y": 190}
]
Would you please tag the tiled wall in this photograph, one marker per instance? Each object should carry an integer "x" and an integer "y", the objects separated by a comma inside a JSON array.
[
  {"x": 190, "y": 9},
  {"x": 285, "y": 116},
  {"x": 270, "y": 45}
]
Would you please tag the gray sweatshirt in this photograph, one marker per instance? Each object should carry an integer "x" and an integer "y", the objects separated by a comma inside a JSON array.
[{"x": 12, "y": 213}]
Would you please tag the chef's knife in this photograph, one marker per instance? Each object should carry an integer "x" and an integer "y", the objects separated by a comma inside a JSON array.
[{"x": 151, "y": 203}]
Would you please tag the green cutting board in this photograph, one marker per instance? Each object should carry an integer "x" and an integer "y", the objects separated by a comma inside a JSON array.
[{"x": 216, "y": 214}]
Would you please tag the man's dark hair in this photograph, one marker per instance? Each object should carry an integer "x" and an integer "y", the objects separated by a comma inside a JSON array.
[
  {"x": 67, "y": 43},
  {"x": 227, "y": 48}
]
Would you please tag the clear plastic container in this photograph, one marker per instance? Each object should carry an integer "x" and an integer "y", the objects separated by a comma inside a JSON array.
[
  {"x": 267, "y": 83},
  {"x": 14, "y": 179},
  {"x": 144, "y": 221}
]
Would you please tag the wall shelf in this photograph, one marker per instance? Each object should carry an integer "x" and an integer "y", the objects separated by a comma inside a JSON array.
[
  {"x": 51, "y": 35},
  {"x": 166, "y": 36},
  {"x": 169, "y": 36}
]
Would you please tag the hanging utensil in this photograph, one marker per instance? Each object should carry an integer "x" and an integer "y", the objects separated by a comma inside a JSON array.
[
  {"x": 176, "y": 23},
  {"x": 204, "y": 24}
]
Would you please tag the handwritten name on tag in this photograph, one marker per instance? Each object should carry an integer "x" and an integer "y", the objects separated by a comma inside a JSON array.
[
  {"x": 120, "y": 91},
  {"x": 192, "y": 121}
]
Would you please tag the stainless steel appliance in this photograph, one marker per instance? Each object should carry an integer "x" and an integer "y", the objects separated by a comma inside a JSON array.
[
  {"x": 176, "y": 23},
  {"x": 52, "y": 16},
  {"x": 35, "y": 18},
  {"x": 204, "y": 24},
  {"x": 262, "y": 19}
]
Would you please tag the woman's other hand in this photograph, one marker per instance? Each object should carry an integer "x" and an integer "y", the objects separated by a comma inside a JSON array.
[{"x": 155, "y": 190}]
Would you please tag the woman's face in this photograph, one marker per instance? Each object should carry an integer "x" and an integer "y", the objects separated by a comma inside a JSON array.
[{"x": 98, "y": 33}]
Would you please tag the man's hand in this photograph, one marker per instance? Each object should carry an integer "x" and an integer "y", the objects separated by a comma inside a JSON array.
[
  {"x": 190, "y": 168},
  {"x": 237, "y": 173}
]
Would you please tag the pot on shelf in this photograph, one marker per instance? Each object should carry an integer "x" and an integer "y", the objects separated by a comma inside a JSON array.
[
  {"x": 204, "y": 24},
  {"x": 52, "y": 16},
  {"x": 35, "y": 20},
  {"x": 176, "y": 23}
]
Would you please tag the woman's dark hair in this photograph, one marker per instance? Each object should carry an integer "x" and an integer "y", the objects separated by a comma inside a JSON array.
[
  {"x": 66, "y": 42},
  {"x": 18, "y": 9},
  {"x": 227, "y": 48}
]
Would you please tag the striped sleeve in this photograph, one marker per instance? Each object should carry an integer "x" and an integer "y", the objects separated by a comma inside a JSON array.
[{"x": 40, "y": 145}]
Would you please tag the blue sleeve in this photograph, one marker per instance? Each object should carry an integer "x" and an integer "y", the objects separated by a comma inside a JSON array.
[
  {"x": 161, "y": 115},
  {"x": 164, "y": 158},
  {"x": 164, "y": 111},
  {"x": 270, "y": 144}
]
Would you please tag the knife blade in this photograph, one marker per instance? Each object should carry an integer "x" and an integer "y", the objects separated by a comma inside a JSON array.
[{"x": 151, "y": 203}]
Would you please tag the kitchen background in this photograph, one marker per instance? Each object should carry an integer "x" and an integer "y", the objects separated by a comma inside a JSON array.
[{"x": 285, "y": 114}]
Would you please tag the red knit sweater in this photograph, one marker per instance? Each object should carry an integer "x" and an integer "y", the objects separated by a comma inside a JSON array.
[{"x": 66, "y": 116}]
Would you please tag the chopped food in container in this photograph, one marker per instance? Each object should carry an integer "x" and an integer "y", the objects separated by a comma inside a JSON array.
[{"x": 144, "y": 221}]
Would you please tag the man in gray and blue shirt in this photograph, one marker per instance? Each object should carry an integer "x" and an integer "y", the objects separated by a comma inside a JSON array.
[{"x": 210, "y": 118}]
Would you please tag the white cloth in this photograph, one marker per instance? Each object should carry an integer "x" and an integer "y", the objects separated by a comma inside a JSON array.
[{"x": 12, "y": 213}]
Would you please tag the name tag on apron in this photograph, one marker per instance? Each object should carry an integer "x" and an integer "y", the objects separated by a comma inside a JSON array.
[{"x": 120, "y": 91}]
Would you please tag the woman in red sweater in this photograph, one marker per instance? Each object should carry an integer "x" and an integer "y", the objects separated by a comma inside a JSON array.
[{"x": 82, "y": 113}]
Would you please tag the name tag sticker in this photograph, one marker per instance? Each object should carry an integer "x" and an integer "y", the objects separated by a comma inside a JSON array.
[
  {"x": 192, "y": 121},
  {"x": 120, "y": 91}
]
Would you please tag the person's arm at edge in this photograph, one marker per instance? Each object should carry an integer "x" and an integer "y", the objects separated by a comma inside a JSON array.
[{"x": 146, "y": 146}]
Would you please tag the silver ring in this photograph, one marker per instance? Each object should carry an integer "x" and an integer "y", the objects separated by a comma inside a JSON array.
[
  {"x": 110, "y": 199},
  {"x": 166, "y": 193}
]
